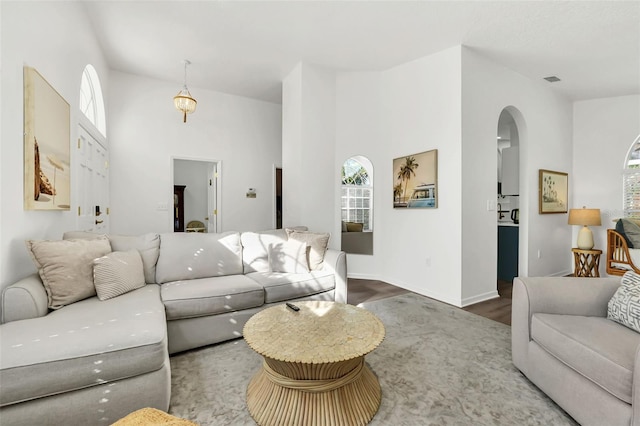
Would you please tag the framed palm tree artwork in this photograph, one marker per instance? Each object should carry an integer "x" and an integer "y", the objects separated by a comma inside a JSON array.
[{"x": 415, "y": 180}]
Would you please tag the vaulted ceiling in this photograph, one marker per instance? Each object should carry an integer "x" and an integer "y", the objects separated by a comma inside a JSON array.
[{"x": 246, "y": 48}]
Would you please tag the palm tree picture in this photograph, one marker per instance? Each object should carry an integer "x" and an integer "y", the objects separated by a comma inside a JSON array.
[{"x": 415, "y": 179}]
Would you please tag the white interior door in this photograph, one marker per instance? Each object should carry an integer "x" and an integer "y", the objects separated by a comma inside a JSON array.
[
  {"x": 212, "y": 217},
  {"x": 93, "y": 184}
]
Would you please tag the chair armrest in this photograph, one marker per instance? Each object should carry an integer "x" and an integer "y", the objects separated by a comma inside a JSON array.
[
  {"x": 336, "y": 262},
  {"x": 554, "y": 295},
  {"x": 635, "y": 391},
  {"x": 24, "y": 299}
]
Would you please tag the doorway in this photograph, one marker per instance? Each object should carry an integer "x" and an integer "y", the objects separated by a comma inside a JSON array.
[
  {"x": 198, "y": 182},
  {"x": 278, "y": 198},
  {"x": 508, "y": 219}
]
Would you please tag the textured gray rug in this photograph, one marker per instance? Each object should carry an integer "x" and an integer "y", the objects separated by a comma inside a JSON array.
[{"x": 438, "y": 365}]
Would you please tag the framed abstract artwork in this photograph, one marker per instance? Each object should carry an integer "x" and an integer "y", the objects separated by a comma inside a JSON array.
[
  {"x": 553, "y": 191},
  {"x": 415, "y": 180},
  {"x": 47, "y": 165}
]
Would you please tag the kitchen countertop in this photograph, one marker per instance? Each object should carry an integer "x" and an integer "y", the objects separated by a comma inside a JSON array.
[{"x": 509, "y": 223}]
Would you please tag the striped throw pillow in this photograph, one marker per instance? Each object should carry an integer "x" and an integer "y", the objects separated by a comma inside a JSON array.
[
  {"x": 624, "y": 306},
  {"x": 117, "y": 273}
]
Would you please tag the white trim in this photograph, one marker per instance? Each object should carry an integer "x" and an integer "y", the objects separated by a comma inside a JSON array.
[{"x": 479, "y": 298}]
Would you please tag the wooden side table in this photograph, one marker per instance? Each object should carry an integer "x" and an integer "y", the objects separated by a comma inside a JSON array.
[{"x": 586, "y": 262}]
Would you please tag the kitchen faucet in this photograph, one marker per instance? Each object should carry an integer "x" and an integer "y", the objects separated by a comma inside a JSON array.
[{"x": 500, "y": 211}]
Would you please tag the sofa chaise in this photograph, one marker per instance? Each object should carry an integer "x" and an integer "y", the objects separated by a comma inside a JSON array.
[
  {"x": 94, "y": 361},
  {"x": 564, "y": 342}
]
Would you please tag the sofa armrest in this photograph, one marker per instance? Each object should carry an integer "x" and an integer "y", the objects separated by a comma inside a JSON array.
[
  {"x": 635, "y": 391},
  {"x": 554, "y": 295},
  {"x": 336, "y": 262},
  {"x": 24, "y": 299}
]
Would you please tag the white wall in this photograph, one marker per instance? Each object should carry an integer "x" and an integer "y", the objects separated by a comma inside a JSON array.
[
  {"x": 58, "y": 41},
  {"x": 146, "y": 131},
  {"x": 545, "y": 131},
  {"x": 309, "y": 172},
  {"x": 361, "y": 130},
  {"x": 422, "y": 247},
  {"x": 604, "y": 130}
]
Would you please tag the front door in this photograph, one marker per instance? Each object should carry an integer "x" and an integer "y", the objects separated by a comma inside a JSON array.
[{"x": 93, "y": 184}]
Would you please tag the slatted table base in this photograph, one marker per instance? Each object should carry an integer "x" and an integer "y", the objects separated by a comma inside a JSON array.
[{"x": 354, "y": 403}]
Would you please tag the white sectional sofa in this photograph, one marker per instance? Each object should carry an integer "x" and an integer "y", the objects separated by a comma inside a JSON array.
[{"x": 93, "y": 361}]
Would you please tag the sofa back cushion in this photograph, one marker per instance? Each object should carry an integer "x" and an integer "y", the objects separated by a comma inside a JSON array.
[
  {"x": 148, "y": 245},
  {"x": 255, "y": 248},
  {"x": 190, "y": 255}
]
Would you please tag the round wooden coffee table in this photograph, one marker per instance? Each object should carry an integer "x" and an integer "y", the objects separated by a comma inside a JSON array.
[{"x": 313, "y": 371}]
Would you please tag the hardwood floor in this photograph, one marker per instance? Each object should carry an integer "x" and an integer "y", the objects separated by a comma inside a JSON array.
[{"x": 498, "y": 309}]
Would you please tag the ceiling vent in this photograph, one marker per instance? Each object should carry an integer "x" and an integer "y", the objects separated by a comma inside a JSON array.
[{"x": 552, "y": 79}]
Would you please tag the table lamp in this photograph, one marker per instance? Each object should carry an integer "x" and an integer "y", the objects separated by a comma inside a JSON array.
[{"x": 585, "y": 217}]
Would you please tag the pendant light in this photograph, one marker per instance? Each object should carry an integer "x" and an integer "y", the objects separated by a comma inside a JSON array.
[{"x": 183, "y": 100}]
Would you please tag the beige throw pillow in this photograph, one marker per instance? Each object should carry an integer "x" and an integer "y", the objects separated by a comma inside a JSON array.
[
  {"x": 289, "y": 257},
  {"x": 66, "y": 268},
  {"x": 118, "y": 273},
  {"x": 316, "y": 245}
]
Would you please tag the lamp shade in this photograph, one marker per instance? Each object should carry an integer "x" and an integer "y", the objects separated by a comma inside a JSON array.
[{"x": 584, "y": 216}]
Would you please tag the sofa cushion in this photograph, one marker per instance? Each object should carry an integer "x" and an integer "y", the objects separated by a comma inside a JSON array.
[
  {"x": 66, "y": 267},
  {"x": 210, "y": 296},
  {"x": 191, "y": 255},
  {"x": 117, "y": 273},
  {"x": 279, "y": 286},
  {"x": 148, "y": 245},
  {"x": 288, "y": 256},
  {"x": 595, "y": 347},
  {"x": 631, "y": 233},
  {"x": 255, "y": 248},
  {"x": 624, "y": 306},
  {"x": 81, "y": 345},
  {"x": 317, "y": 245}
]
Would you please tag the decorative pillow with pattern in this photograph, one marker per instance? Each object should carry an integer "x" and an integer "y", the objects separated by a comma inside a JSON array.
[
  {"x": 118, "y": 273},
  {"x": 624, "y": 306}
]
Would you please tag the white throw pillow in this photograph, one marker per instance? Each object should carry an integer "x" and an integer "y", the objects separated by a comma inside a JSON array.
[
  {"x": 66, "y": 267},
  {"x": 118, "y": 273},
  {"x": 317, "y": 243},
  {"x": 624, "y": 306},
  {"x": 289, "y": 257}
]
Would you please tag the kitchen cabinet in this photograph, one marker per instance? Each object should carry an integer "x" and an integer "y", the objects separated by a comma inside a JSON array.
[
  {"x": 507, "y": 252},
  {"x": 510, "y": 171}
]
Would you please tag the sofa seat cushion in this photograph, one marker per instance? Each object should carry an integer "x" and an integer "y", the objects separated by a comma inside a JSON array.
[
  {"x": 85, "y": 344},
  {"x": 210, "y": 296},
  {"x": 281, "y": 286},
  {"x": 595, "y": 347}
]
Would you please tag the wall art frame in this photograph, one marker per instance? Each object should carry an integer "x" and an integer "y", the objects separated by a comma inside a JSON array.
[
  {"x": 553, "y": 192},
  {"x": 415, "y": 180},
  {"x": 47, "y": 159}
]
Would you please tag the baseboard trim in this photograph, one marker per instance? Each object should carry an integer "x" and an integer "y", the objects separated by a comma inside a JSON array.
[
  {"x": 480, "y": 298},
  {"x": 364, "y": 277}
]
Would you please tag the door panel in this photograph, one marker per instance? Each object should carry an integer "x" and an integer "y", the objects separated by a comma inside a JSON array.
[{"x": 93, "y": 184}]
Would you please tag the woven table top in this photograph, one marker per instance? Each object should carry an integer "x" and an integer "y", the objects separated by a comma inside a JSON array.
[{"x": 320, "y": 332}]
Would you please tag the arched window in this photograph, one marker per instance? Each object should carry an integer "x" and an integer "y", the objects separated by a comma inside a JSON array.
[
  {"x": 91, "y": 100},
  {"x": 357, "y": 192},
  {"x": 631, "y": 181}
]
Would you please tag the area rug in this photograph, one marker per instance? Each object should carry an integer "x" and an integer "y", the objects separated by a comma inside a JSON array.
[{"x": 438, "y": 365}]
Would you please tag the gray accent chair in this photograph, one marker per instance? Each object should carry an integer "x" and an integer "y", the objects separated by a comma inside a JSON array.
[{"x": 563, "y": 342}]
